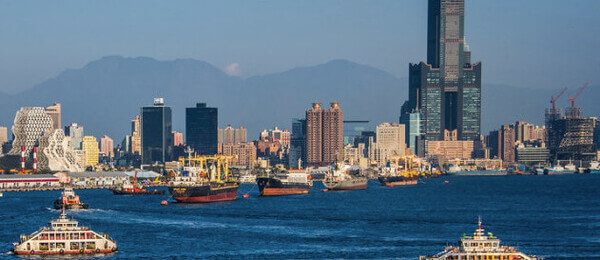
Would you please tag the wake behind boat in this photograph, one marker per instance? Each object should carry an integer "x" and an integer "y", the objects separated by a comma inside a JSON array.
[{"x": 69, "y": 200}]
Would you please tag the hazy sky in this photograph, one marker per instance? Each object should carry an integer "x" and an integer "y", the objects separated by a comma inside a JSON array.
[{"x": 542, "y": 44}]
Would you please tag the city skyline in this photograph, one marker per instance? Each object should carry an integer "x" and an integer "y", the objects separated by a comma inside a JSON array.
[{"x": 527, "y": 61}]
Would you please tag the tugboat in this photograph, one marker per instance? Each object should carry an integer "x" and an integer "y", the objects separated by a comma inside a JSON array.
[
  {"x": 295, "y": 181},
  {"x": 392, "y": 175},
  {"x": 480, "y": 246},
  {"x": 69, "y": 200},
  {"x": 194, "y": 185},
  {"x": 343, "y": 177},
  {"x": 133, "y": 189},
  {"x": 63, "y": 237}
]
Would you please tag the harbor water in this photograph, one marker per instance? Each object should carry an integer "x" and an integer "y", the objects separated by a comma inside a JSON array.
[{"x": 556, "y": 217}]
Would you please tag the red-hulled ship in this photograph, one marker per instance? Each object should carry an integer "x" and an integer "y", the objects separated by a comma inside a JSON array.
[
  {"x": 293, "y": 182},
  {"x": 194, "y": 185},
  {"x": 135, "y": 189}
]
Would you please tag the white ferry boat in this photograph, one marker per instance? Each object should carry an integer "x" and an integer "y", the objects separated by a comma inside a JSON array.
[
  {"x": 480, "y": 246},
  {"x": 63, "y": 237}
]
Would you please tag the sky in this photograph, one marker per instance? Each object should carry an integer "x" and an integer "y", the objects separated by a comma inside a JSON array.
[{"x": 538, "y": 44}]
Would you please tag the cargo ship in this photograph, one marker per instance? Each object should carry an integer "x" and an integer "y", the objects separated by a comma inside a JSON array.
[
  {"x": 204, "y": 179},
  {"x": 69, "y": 200},
  {"x": 394, "y": 175},
  {"x": 129, "y": 188},
  {"x": 480, "y": 246},
  {"x": 64, "y": 236},
  {"x": 344, "y": 177},
  {"x": 295, "y": 181}
]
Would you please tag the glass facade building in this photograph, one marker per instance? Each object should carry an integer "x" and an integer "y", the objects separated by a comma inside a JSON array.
[
  {"x": 157, "y": 139},
  {"x": 447, "y": 89},
  {"x": 201, "y": 128}
]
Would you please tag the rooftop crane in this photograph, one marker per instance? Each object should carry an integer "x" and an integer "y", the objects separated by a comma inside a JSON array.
[
  {"x": 572, "y": 99},
  {"x": 553, "y": 99}
]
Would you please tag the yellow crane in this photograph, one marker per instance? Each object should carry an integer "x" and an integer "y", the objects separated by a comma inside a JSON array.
[{"x": 221, "y": 162}]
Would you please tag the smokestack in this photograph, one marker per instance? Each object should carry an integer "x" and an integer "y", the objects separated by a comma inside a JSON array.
[
  {"x": 22, "y": 158},
  {"x": 34, "y": 159}
]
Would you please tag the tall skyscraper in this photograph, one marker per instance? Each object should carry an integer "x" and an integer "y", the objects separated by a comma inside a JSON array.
[
  {"x": 324, "y": 134},
  {"x": 297, "y": 143},
  {"x": 107, "y": 146},
  {"x": 157, "y": 139},
  {"x": 55, "y": 113},
  {"x": 333, "y": 134},
  {"x": 447, "y": 89},
  {"x": 136, "y": 135},
  {"x": 314, "y": 135},
  {"x": 76, "y": 133},
  {"x": 90, "y": 146},
  {"x": 228, "y": 135},
  {"x": 201, "y": 123}
]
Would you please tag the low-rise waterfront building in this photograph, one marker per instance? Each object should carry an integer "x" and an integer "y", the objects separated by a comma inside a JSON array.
[{"x": 16, "y": 181}]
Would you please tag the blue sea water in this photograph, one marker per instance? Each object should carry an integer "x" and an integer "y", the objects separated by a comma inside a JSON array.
[{"x": 557, "y": 217}]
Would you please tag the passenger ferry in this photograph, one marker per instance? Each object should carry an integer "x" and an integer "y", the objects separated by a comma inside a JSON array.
[
  {"x": 64, "y": 236},
  {"x": 480, "y": 246}
]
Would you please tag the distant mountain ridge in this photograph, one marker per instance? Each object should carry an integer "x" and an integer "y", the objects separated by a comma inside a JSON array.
[{"x": 107, "y": 93}]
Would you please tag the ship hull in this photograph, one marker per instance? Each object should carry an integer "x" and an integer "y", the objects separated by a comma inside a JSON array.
[
  {"x": 397, "y": 181},
  {"x": 123, "y": 192},
  {"x": 204, "y": 193},
  {"x": 274, "y": 187},
  {"x": 59, "y": 205},
  {"x": 352, "y": 184},
  {"x": 64, "y": 252}
]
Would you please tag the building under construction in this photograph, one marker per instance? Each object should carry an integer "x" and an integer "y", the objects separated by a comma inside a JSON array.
[{"x": 570, "y": 137}]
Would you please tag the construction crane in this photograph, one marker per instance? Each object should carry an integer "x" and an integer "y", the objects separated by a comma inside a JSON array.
[
  {"x": 553, "y": 99},
  {"x": 572, "y": 99}
]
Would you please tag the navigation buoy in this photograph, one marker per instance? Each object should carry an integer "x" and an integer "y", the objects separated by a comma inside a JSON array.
[
  {"x": 325, "y": 190},
  {"x": 390, "y": 185},
  {"x": 246, "y": 196},
  {"x": 446, "y": 181},
  {"x": 164, "y": 203}
]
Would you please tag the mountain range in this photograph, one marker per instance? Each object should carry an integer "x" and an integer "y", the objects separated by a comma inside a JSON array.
[{"x": 107, "y": 93}]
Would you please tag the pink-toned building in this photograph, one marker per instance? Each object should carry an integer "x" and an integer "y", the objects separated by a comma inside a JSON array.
[
  {"x": 107, "y": 146},
  {"x": 177, "y": 138}
]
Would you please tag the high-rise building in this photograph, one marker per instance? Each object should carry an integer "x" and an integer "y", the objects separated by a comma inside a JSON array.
[
  {"x": 3, "y": 135},
  {"x": 241, "y": 135},
  {"x": 297, "y": 151},
  {"x": 333, "y": 134},
  {"x": 107, "y": 146},
  {"x": 31, "y": 123},
  {"x": 502, "y": 144},
  {"x": 90, "y": 146},
  {"x": 76, "y": 133},
  {"x": 136, "y": 135},
  {"x": 201, "y": 124},
  {"x": 228, "y": 135},
  {"x": 55, "y": 114},
  {"x": 447, "y": 89},
  {"x": 324, "y": 134},
  {"x": 157, "y": 139},
  {"x": 33, "y": 127},
  {"x": 314, "y": 135},
  {"x": 390, "y": 142},
  {"x": 177, "y": 138}
]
